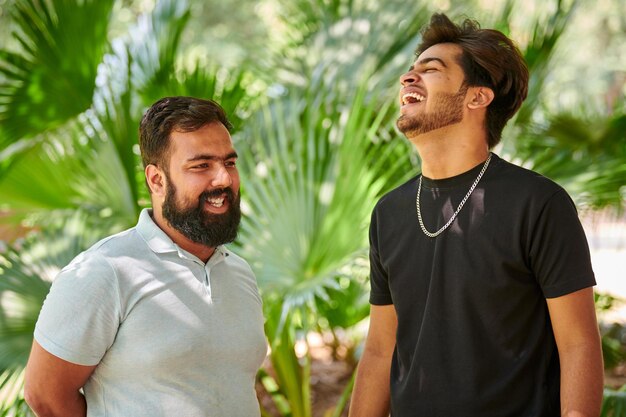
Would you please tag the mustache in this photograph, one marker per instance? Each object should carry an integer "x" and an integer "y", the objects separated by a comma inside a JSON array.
[{"x": 230, "y": 196}]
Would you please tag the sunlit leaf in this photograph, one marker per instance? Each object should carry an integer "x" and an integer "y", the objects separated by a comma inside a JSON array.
[{"x": 52, "y": 78}]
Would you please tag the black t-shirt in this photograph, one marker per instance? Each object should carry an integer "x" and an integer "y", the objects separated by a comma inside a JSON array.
[{"x": 474, "y": 336}]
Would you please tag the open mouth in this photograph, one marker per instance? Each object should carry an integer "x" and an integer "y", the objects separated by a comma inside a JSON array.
[
  {"x": 412, "y": 98},
  {"x": 216, "y": 201}
]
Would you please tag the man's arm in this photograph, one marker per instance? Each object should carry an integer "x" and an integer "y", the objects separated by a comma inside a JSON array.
[
  {"x": 52, "y": 385},
  {"x": 577, "y": 337},
  {"x": 371, "y": 395}
]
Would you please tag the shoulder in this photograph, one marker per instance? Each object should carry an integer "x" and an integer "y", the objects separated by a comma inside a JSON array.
[
  {"x": 402, "y": 193},
  {"x": 233, "y": 257},
  {"x": 236, "y": 262},
  {"x": 240, "y": 273},
  {"x": 95, "y": 262},
  {"x": 520, "y": 177},
  {"x": 117, "y": 244},
  {"x": 522, "y": 185}
]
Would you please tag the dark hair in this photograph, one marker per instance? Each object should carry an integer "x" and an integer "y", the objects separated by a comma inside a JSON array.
[
  {"x": 489, "y": 59},
  {"x": 181, "y": 114}
]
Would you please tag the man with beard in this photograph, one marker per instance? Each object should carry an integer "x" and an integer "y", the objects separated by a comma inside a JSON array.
[
  {"x": 161, "y": 319},
  {"x": 481, "y": 281}
]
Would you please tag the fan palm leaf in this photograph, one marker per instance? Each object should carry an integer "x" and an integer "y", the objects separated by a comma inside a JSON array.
[
  {"x": 539, "y": 53},
  {"x": 614, "y": 403},
  {"x": 344, "y": 41},
  {"x": 52, "y": 78},
  {"x": 586, "y": 154},
  {"x": 91, "y": 161},
  {"x": 154, "y": 42},
  {"x": 311, "y": 177},
  {"x": 26, "y": 271},
  {"x": 71, "y": 168},
  {"x": 309, "y": 170},
  {"x": 230, "y": 88}
]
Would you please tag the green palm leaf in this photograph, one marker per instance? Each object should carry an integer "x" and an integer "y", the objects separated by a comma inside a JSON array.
[
  {"x": 74, "y": 167},
  {"x": 614, "y": 403},
  {"x": 585, "y": 154},
  {"x": 154, "y": 42},
  {"x": 230, "y": 88},
  {"x": 92, "y": 162},
  {"x": 539, "y": 53},
  {"x": 345, "y": 41},
  {"x": 11, "y": 383},
  {"x": 26, "y": 272},
  {"x": 52, "y": 78},
  {"x": 311, "y": 175},
  {"x": 312, "y": 169}
]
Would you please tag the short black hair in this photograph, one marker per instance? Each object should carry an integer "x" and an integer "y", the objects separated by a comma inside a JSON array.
[{"x": 180, "y": 113}]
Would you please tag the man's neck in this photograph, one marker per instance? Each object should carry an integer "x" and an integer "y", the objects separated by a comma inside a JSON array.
[{"x": 448, "y": 152}]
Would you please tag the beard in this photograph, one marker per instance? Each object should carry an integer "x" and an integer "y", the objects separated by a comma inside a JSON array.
[
  {"x": 449, "y": 110},
  {"x": 199, "y": 226}
]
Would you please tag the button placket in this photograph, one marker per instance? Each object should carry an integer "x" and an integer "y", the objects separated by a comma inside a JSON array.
[
  {"x": 205, "y": 271},
  {"x": 207, "y": 280},
  {"x": 217, "y": 257}
]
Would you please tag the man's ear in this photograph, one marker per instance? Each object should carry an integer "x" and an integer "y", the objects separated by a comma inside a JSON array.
[
  {"x": 481, "y": 97},
  {"x": 155, "y": 179}
]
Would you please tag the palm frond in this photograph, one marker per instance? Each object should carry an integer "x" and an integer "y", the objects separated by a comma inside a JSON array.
[
  {"x": 586, "y": 154},
  {"x": 75, "y": 167},
  {"x": 539, "y": 52},
  {"x": 303, "y": 19},
  {"x": 12, "y": 402},
  {"x": 115, "y": 120},
  {"x": 614, "y": 403},
  {"x": 154, "y": 42},
  {"x": 26, "y": 271},
  {"x": 52, "y": 78},
  {"x": 348, "y": 303},
  {"x": 311, "y": 178},
  {"x": 345, "y": 41},
  {"x": 230, "y": 88}
]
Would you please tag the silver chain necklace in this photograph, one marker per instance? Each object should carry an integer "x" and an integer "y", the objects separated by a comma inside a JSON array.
[{"x": 445, "y": 226}]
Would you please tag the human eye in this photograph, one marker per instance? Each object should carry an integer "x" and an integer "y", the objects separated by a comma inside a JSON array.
[
  {"x": 202, "y": 165},
  {"x": 230, "y": 163}
]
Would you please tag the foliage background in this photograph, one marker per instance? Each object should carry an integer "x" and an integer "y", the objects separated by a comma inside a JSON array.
[{"x": 311, "y": 87}]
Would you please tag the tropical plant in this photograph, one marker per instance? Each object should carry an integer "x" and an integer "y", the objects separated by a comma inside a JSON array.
[
  {"x": 318, "y": 147},
  {"x": 57, "y": 63},
  {"x": 321, "y": 156},
  {"x": 26, "y": 271},
  {"x": 614, "y": 404},
  {"x": 584, "y": 153},
  {"x": 79, "y": 159},
  {"x": 583, "y": 148},
  {"x": 311, "y": 180}
]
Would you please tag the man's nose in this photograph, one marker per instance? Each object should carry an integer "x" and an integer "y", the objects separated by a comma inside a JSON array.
[
  {"x": 222, "y": 178},
  {"x": 407, "y": 78}
]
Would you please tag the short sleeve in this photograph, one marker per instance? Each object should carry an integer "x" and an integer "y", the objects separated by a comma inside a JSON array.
[
  {"x": 380, "y": 293},
  {"x": 559, "y": 252},
  {"x": 79, "y": 319}
]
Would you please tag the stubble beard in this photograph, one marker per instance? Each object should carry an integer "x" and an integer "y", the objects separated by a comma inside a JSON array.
[
  {"x": 449, "y": 111},
  {"x": 199, "y": 226}
]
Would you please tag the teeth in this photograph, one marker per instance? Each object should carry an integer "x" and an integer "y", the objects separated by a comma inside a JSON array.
[
  {"x": 417, "y": 97},
  {"x": 217, "y": 202}
]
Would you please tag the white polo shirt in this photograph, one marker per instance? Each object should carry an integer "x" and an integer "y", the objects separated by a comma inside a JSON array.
[{"x": 170, "y": 335}]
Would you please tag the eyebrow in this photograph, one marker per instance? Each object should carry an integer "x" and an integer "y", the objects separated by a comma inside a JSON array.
[
  {"x": 426, "y": 61},
  {"x": 207, "y": 157}
]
